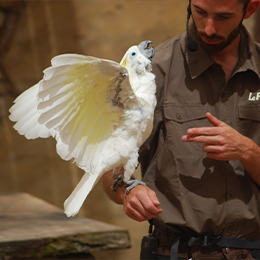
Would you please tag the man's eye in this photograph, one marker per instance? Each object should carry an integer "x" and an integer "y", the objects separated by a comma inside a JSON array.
[
  {"x": 224, "y": 17},
  {"x": 200, "y": 12}
]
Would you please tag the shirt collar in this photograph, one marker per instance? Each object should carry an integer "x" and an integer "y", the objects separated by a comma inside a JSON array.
[
  {"x": 197, "y": 61},
  {"x": 250, "y": 56},
  {"x": 200, "y": 60}
]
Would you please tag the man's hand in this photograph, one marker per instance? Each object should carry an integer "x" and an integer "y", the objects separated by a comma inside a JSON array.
[
  {"x": 220, "y": 142},
  {"x": 141, "y": 204}
]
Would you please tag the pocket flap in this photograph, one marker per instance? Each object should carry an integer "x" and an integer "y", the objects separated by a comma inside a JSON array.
[
  {"x": 249, "y": 112},
  {"x": 184, "y": 113}
]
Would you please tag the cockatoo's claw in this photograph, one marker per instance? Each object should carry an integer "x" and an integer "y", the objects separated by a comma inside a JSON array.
[
  {"x": 117, "y": 177},
  {"x": 130, "y": 184}
]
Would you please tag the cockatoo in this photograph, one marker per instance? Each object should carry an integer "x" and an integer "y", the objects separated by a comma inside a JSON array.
[{"x": 99, "y": 111}]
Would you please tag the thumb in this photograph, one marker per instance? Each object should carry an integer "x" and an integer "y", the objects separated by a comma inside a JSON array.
[
  {"x": 154, "y": 198},
  {"x": 213, "y": 120}
]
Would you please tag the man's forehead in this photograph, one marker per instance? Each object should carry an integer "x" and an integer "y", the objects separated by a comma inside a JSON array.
[
  {"x": 219, "y": 2},
  {"x": 221, "y": 5}
]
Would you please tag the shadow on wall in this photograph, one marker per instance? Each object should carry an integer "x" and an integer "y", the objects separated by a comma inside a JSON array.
[{"x": 45, "y": 29}]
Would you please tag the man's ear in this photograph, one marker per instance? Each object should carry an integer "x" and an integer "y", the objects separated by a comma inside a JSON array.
[{"x": 251, "y": 8}]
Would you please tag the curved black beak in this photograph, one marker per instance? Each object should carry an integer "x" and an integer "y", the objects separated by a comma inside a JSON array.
[{"x": 146, "y": 50}]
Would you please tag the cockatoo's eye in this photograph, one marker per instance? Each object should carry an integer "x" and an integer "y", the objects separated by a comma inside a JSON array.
[{"x": 133, "y": 54}]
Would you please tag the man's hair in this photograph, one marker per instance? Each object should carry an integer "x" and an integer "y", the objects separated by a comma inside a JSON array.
[{"x": 245, "y": 2}]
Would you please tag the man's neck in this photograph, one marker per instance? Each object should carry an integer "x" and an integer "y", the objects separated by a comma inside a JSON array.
[{"x": 228, "y": 57}]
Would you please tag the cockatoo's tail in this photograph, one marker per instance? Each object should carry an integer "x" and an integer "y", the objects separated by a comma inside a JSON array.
[{"x": 99, "y": 112}]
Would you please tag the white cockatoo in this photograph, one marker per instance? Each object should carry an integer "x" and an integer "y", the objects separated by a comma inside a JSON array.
[{"x": 99, "y": 111}]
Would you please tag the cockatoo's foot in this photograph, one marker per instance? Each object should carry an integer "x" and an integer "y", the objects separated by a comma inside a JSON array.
[
  {"x": 117, "y": 177},
  {"x": 119, "y": 180},
  {"x": 130, "y": 184}
]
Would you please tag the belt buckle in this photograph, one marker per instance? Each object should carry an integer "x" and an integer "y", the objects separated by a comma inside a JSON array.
[{"x": 210, "y": 241}]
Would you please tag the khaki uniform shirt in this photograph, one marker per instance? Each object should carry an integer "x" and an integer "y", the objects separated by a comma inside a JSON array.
[{"x": 199, "y": 194}]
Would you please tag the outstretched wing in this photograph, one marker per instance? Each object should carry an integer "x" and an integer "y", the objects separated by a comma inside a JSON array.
[
  {"x": 83, "y": 99},
  {"x": 26, "y": 115}
]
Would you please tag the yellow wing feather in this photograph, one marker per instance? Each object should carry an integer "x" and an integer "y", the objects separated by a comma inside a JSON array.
[
  {"x": 84, "y": 111},
  {"x": 90, "y": 93}
]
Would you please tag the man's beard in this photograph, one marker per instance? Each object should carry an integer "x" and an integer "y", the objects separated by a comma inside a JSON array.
[{"x": 223, "y": 44}]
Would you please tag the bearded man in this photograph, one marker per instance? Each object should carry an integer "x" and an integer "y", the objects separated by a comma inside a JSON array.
[{"x": 201, "y": 163}]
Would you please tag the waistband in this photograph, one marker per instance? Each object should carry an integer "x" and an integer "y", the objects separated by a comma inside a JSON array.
[
  {"x": 216, "y": 246},
  {"x": 211, "y": 240}
]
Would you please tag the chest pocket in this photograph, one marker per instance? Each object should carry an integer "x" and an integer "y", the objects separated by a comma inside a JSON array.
[
  {"x": 249, "y": 122},
  {"x": 249, "y": 112},
  {"x": 184, "y": 113},
  {"x": 177, "y": 120}
]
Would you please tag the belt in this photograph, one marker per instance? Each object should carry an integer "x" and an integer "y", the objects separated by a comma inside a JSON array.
[
  {"x": 207, "y": 241},
  {"x": 219, "y": 241}
]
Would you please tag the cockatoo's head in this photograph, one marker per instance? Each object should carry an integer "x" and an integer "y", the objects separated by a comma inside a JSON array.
[{"x": 138, "y": 58}]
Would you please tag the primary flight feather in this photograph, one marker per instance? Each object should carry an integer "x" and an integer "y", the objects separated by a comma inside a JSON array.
[{"x": 99, "y": 111}]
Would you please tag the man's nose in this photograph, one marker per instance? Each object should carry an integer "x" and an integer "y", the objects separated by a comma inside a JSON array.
[{"x": 210, "y": 28}]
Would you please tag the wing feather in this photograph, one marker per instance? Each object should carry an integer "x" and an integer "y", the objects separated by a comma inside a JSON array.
[
  {"x": 80, "y": 101},
  {"x": 62, "y": 149},
  {"x": 24, "y": 112},
  {"x": 69, "y": 59}
]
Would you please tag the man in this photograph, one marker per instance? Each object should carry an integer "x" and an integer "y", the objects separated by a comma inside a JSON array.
[{"x": 202, "y": 161}]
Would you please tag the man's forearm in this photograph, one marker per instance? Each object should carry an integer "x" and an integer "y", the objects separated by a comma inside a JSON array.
[
  {"x": 107, "y": 182},
  {"x": 251, "y": 160}
]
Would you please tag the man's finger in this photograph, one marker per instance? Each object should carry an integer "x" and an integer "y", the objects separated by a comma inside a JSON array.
[
  {"x": 138, "y": 212},
  {"x": 205, "y": 131},
  {"x": 151, "y": 204},
  {"x": 213, "y": 120},
  {"x": 202, "y": 139},
  {"x": 153, "y": 197}
]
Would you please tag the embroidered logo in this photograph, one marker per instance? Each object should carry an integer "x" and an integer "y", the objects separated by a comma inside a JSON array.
[{"x": 254, "y": 97}]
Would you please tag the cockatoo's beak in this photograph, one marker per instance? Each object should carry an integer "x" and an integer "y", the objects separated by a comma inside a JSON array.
[{"x": 147, "y": 51}]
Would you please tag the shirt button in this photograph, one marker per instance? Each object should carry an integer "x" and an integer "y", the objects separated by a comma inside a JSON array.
[
  {"x": 178, "y": 116},
  {"x": 231, "y": 193},
  {"x": 231, "y": 225},
  {"x": 227, "y": 249}
]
